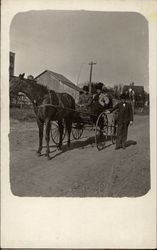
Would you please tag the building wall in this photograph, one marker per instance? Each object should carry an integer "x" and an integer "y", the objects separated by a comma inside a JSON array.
[
  {"x": 11, "y": 63},
  {"x": 51, "y": 82}
]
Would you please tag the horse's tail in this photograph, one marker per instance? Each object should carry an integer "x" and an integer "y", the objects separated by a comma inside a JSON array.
[
  {"x": 75, "y": 115},
  {"x": 73, "y": 104}
]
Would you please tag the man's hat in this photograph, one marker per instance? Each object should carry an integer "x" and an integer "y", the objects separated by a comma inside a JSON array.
[
  {"x": 81, "y": 91},
  {"x": 105, "y": 89},
  {"x": 99, "y": 85},
  {"x": 86, "y": 88},
  {"x": 123, "y": 96}
]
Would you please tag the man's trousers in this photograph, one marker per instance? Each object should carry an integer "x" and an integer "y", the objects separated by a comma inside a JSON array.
[{"x": 122, "y": 132}]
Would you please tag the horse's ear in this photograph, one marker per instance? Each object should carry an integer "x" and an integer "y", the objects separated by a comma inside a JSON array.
[{"x": 21, "y": 76}]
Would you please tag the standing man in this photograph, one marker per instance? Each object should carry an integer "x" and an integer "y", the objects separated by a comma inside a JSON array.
[
  {"x": 131, "y": 94},
  {"x": 125, "y": 117}
]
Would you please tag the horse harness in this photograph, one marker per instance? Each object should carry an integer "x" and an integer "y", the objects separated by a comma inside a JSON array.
[
  {"x": 60, "y": 107},
  {"x": 60, "y": 103}
]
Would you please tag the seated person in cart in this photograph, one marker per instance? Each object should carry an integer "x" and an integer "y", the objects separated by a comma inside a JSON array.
[
  {"x": 94, "y": 105},
  {"x": 85, "y": 98},
  {"x": 101, "y": 101}
]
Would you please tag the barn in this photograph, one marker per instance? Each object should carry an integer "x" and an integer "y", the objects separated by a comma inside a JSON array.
[
  {"x": 139, "y": 90},
  {"x": 58, "y": 83}
]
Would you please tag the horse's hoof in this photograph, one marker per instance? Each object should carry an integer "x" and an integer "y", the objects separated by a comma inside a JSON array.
[
  {"x": 38, "y": 153},
  {"x": 48, "y": 158},
  {"x": 59, "y": 147}
]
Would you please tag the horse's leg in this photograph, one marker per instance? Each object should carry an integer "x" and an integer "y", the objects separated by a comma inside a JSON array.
[
  {"x": 47, "y": 137},
  {"x": 61, "y": 128},
  {"x": 41, "y": 127},
  {"x": 68, "y": 122}
]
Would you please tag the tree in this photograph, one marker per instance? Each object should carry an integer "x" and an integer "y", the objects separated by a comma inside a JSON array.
[{"x": 117, "y": 88}]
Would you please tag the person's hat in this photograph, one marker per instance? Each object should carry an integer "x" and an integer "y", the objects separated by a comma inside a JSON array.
[
  {"x": 105, "y": 89},
  {"x": 81, "y": 92},
  {"x": 99, "y": 85},
  {"x": 123, "y": 96},
  {"x": 85, "y": 88}
]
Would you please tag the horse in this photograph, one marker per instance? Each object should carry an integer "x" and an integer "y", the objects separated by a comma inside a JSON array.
[{"x": 48, "y": 106}]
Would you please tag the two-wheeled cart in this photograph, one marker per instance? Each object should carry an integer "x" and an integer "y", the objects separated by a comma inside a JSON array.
[{"x": 104, "y": 127}]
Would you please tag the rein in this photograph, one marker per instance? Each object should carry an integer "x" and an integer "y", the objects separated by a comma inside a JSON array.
[
  {"x": 60, "y": 101},
  {"x": 60, "y": 107},
  {"x": 66, "y": 109},
  {"x": 50, "y": 96}
]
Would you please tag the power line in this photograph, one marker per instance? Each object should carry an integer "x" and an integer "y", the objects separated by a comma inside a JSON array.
[{"x": 90, "y": 76}]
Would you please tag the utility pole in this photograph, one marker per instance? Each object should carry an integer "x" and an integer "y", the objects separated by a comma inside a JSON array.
[{"x": 90, "y": 76}]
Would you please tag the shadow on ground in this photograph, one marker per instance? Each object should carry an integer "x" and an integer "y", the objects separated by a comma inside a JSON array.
[
  {"x": 130, "y": 143},
  {"x": 90, "y": 141},
  {"x": 82, "y": 144}
]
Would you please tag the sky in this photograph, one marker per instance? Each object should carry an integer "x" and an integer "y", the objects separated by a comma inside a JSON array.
[{"x": 67, "y": 41}]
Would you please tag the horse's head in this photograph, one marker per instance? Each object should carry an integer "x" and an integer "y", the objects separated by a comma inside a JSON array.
[{"x": 16, "y": 84}]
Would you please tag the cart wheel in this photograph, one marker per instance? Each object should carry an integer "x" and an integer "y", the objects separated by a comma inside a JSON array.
[
  {"x": 55, "y": 132},
  {"x": 101, "y": 134},
  {"x": 113, "y": 132},
  {"x": 77, "y": 130}
]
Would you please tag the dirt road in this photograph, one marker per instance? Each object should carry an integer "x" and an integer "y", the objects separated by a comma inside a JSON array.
[{"x": 82, "y": 171}]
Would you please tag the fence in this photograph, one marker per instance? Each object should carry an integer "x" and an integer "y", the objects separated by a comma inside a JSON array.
[{"x": 20, "y": 101}]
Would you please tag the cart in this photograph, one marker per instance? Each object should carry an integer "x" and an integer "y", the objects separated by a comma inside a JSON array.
[{"x": 104, "y": 128}]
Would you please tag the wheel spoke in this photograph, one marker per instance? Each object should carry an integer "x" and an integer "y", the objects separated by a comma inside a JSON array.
[
  {"x": 55, "y": 135},
  {"x": 77, "y": 131},
  {"x": 101, "y": 131}
]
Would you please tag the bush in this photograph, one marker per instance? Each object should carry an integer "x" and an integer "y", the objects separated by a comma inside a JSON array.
[{"x": 24, "y": 114}]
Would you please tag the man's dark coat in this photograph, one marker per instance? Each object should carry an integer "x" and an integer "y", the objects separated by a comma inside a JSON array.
[{"x": 125, "y": 113}]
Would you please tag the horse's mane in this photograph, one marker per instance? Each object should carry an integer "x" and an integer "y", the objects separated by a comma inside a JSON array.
[
  {"x": 32, "y": 82},
  {"x": 40, "y": 87}
]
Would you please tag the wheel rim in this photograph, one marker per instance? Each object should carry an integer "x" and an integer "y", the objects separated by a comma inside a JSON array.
[
  {"x": 77, "y": 131},
  {"x": 101, "y": 134},
  {"x": 55, "y": 132},
  {"x": 113, "y": 133}
]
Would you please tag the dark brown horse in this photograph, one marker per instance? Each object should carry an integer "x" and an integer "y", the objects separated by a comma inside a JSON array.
[{"x": 48, "y": 106}]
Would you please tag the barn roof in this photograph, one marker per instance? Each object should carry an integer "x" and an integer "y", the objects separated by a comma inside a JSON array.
[
  {"x": 137, "y": 89},
  {"x": 61, "y": 78}
]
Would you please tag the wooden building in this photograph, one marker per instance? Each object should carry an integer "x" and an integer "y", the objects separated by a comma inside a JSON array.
[{"x": 58, "y": 83}]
